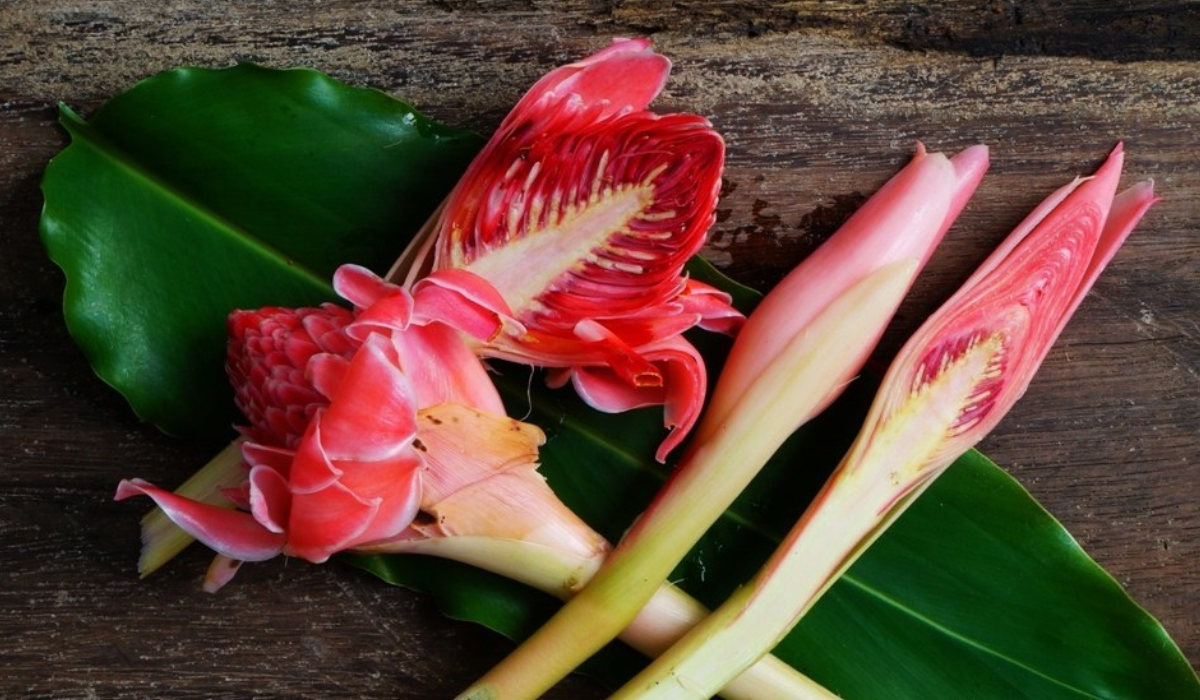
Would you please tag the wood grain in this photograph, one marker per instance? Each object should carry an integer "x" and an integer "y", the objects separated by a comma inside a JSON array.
[{"x": 819, "y": 102}]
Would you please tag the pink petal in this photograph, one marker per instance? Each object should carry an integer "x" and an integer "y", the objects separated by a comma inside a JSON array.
[
  {"x": 326, "y": 522},
  {"x": 270, "y": 498},
  {"x": 713, "y": 306},
  {"x": 1112, "y": 169},
  {"x": 326, "y": 371},
  {"x": 464, "y": 301},
  {"x": 442, "y": 368},
  {"x": 627, "y": 75},
  {"x": 312, "y": 469},
  {"x": 628, "y": 364},
  {"x": 604, "y": 391},
  {"x": 238, "y": 495},
  {"x": 681, "y": 394},
  {"x": 1127, "y": 210},
  {"x": 1021, "y": 298},
  {"x": 391, "y": 313},
  {"x": 229, "y": 532},
  {"x": 372, "y": 415},
  {"x": 336, "y": 518},
  {"x": 360, "y": 286},
  {"x": 277, "y": 458}
]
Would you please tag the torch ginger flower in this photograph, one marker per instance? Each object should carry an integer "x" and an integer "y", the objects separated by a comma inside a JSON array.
[
  {"x": 795, "y": 354},
  {"x": 949, "y": 386},
  {"x": 580, "y": 214},
  {"x": 354, "y": 476}
]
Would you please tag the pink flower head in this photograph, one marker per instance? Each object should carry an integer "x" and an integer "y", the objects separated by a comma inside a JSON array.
[
  {"x": 353, "y": 478},
  {"x": 580, "y": 213},
  {"x": 338, "y": 404},
  {"x": 970, "y": 362}
]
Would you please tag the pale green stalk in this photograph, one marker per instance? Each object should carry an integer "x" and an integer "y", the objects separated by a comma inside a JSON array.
[
  {"x": 163, "y": 540},
  {"x": 883, "y": 473},
  {"x": 662, "y": 622},
  {"x": 714, "y": 474}
]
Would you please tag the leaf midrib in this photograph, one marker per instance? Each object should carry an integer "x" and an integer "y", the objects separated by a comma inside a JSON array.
[
  {"x": 966, "y": 641},
  {"x": 83, "y": 133}
]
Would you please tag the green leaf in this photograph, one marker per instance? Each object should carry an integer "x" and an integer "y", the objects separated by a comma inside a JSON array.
[{"x": 201, "y": 191}]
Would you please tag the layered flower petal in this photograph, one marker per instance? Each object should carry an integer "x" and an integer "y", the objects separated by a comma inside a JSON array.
[
  {"x": 681, "y": 393},
  {"x": 269, "y": 351},
  {"x": 592, "y": 225},
  {"x": 580, "y": 213},
  {"x": 1017, "y": 303},
  {"x": 625, "y": 76}
]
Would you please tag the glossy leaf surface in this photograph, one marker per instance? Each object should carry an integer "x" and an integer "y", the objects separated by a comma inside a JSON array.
[
  {"x": 975, "y": 592},
  {"x": 200, "y": 191}
]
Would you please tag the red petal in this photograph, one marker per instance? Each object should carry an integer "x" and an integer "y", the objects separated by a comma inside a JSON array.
[
  {"x": 443, "y": 369},
  {"x": 337, "y": 518},
  {"x": 595, "y": 224},
  {"x": 326, "y": 371},
  {"x": 681, "y": 394},
  {"x": 372, "y": 416},
  {"x": 270, "y": 498},
  {"x": 232, "y": 533},
  {"x": 625, "y": 76},
  {"x": 462, "y": 300},
  {"x": 713, "y": 306},
  {"x": 277, "y": 458}
]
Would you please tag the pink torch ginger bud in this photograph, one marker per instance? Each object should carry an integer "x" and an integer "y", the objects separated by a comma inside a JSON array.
[
  {"x": 903, "y": 221},
  {"x": 950, "y": 384},
  {"x": 580, "y": 213}
]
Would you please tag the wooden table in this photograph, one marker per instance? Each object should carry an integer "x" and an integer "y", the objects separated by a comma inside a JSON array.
[{"x": 819, "y": 101}]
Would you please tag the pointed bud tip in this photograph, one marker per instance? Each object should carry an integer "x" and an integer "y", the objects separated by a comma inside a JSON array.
[{"x": 971, "y": 163}]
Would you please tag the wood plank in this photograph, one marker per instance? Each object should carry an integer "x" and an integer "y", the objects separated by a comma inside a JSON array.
[{"x": 819, "y": 102}]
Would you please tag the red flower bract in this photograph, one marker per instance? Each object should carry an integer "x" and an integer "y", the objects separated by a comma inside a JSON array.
[
  {"x": 267, "y": 364},
  {"x": 581, "y": 212}
]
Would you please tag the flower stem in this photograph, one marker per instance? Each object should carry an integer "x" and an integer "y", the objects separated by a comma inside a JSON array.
[{"x": 662, "y": 622}]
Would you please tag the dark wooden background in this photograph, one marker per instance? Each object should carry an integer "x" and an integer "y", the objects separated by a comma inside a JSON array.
[{"x": 819, "y": 102}]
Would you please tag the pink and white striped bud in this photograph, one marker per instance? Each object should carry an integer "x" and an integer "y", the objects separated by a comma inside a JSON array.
[{"x": 972, "y": 360}]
